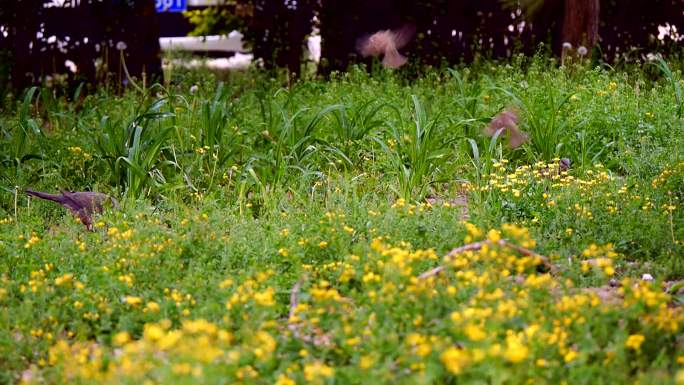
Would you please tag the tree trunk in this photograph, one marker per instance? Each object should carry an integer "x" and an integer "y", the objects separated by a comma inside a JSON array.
[{"x": 581, "y": 23}]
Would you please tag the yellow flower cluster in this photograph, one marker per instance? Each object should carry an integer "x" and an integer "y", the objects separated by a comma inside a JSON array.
[
  {"x": 666, "y": 174},
  {"x": 492, "y": 310},
  {"x": 251, "y": 291},
  {"x": 600, "y": 257},
  {"x": 78, "y": 151}
]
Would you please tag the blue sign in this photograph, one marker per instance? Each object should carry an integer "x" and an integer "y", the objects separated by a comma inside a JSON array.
[{"x": 171, "y": 5}]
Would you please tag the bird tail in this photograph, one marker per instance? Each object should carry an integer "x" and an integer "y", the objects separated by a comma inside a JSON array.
[
  {"x": 517, "y": 137},
  {"x": 51, "y": 197},
  {"x": 115, "y": 203},
  {"x": 393, "y": 59}
]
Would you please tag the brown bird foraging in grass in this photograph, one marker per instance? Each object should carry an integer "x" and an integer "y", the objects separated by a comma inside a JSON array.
[
  {"x": 387, "y": 43},
  {"x": 82, "y": 204},
  {"x": 554, "y": 170},
  {"x": 507, "y": 120}
]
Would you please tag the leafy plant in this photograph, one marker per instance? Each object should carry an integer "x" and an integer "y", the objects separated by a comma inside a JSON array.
[
  {"x": 662, "y": 65},
  {"x": 415, "y": 153},
  {"x": 467, "y": 102},
  {"x": 543, "y": 121},
  {"x": 132, "y": 153}
]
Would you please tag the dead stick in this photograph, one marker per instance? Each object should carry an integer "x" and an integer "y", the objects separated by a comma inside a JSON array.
[
  {"x": 545, "y": 261},
  {"x": 294, "y": 327},
  {"x": 456, "y": 251},
  {"x": 294, "y": 301},
  {"x": 477, "y": 246}
]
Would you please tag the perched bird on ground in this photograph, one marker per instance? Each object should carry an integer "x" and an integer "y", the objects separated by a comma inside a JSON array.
[
  {"x": 82, "y": 204},
  {"x": 555, "y": 170},
  {"x": 564, "y": 164},
  {"x": 507, "y": 120},
  {"x": 387, "y": 43}
]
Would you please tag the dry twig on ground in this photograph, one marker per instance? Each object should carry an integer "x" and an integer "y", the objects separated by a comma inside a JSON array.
[{"x": 477, "y": 246}]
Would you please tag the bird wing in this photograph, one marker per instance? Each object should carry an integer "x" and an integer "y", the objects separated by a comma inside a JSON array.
[
  {"x": 516, "y": 137},
  {"x": 403, "y": 35},
  {"x": 86, "y": 200}
]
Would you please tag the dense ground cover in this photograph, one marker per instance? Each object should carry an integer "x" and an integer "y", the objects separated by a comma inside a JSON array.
[{"x": 306, "y": 234}]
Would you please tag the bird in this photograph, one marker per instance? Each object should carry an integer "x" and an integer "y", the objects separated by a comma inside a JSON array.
[
  {"x": 564, "y": 164},
  {"x": 82, "y": 204},
  {"x": 387, "y": 43},
  {"x": 507, "y": 120},
  {"x": 553, "y": 170}
]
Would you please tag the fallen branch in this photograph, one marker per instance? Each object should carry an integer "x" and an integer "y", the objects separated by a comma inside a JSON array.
[
  {"x": 294, "y": 292},
  {"x": 321, "y": 339},
  {"x": 477, "y": 246},
  {"x": 456, "y": 251},
  {"x": 544, "y": 260}
]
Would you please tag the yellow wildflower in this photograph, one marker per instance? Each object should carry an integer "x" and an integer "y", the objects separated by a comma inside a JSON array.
[
  {"x": 121, "y": 338},
  {"x": 515, "y": 351},
  {"x": 634, "y": 341},
  {"x": 265, "y": 298},
  {"x": 133, "y": 301},
  {"x": 316, "y": 370},
  {"x": 455, "y": 360},
  {"x": 152, "y": 306},
  {"x": 284, "y": 380},
  {"x": 475, "y": 333},
  {"x": 366, "y": 361}
]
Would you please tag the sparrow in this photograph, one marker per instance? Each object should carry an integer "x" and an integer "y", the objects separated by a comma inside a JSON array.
[
  {"x": 82, "y": 204},
  {"x": 387, "y": 42},
  {"x": 507, "y": 120}
]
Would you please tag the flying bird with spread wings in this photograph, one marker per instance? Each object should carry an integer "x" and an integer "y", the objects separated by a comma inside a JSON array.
[
  {"x": 387, "y": 43},
  {"x": 507, "y": 120}
]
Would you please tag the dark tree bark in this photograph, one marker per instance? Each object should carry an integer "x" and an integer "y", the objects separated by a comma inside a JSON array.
[
  {"x": 581, "y": 22},
  {"x": 344, "y": 22},
  {"x": 21, "y": 18},
  {"x": 83, "y": 31},
  {"x": 277, "y": 31},
  {"x": 145, "y": 54}
]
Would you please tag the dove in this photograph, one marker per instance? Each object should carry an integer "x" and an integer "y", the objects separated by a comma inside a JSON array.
[
  {"x": 82, "y": 204},
  {"x": 508, "y": 121},
  {"x": 555, "y": 170},
  {"x": 564, "y": 164},
  {"x": 387, "y": 43}
]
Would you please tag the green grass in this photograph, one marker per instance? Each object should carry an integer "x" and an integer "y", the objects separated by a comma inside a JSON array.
[{"x": 234, "y": 193}]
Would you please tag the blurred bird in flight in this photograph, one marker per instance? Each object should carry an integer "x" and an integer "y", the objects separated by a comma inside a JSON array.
[
  {"x": 507, "y": 120},
  {"x": 387, "y": 43}
]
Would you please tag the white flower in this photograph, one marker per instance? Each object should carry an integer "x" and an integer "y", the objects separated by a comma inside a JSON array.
[
  {"x": 582, "y": 50},
  {"x": 194, "y": 89},
  {"x": 71, "y": 66},
  {"x": 647, "y": 277},
  {"x": 567, "y": 45},
  {"x": 121, "y": 46}
]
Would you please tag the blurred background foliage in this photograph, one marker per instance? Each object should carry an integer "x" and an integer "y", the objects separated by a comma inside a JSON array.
[{"x": 447, "y": 32}]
